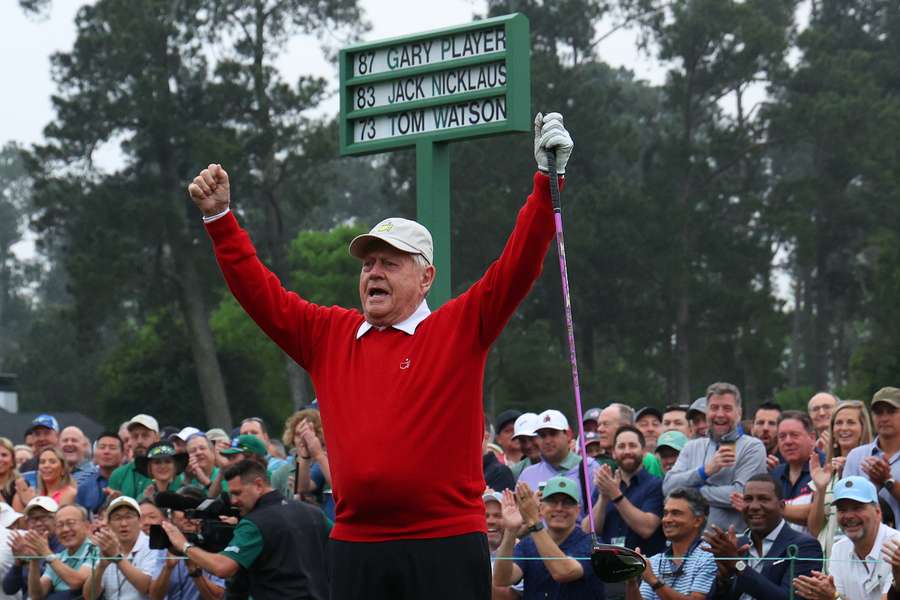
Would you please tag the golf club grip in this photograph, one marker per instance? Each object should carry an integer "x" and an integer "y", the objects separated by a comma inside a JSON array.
[{"x": 554, "y": 178}]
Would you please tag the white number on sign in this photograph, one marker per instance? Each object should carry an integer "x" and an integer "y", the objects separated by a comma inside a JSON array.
[
  {"x": 365, "y": 96},
  {"x": 364, "y": 62},
  {"x": 366, "y": 129}
]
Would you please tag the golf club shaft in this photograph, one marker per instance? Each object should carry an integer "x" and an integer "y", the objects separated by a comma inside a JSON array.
[{"x": 570, "y": 329}]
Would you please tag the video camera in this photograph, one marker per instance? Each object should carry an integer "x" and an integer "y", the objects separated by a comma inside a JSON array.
[{"x": 213, "y": 535}]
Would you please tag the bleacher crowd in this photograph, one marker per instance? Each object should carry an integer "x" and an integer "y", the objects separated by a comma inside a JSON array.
[{"x": 778, "y": 504}]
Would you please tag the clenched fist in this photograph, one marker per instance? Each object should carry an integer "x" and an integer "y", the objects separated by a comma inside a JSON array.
[{"x": 210, "y": 190}]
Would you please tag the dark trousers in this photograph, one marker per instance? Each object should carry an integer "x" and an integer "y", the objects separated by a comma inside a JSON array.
[{"x": 452, "y": 568}]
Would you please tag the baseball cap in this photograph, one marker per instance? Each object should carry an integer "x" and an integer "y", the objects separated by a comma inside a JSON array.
[
  {"x": 562, "y": 485},
  {"x": 525, "y": 425},
  {"x": 591, "y": 437},
  {"x": 592, "y": 414},
  {"x": 492, "y": 497},
  {"x": 697, "y": 406},
  {"x": 8, "y": 516},
  {"x": 673, "y": 439},
  {"x": 186, "y": 433},
  {"x": 552, "y": 419},
  {"x": 855, "y": 488},
  {"x": 48, "y": 421},
  {"x": 402, "y": 234},
  {"x": 144, "y": 421},
  {"x": 247, "y": 444},
  {"x": 45, "y": 502},
  {"x": 123, "y": 501},
  {"x": 505, "y": 417},
  {"x": 647, "y": 410},
  {"x": 888, "y": 395},
  {"x": 215, "y": 434}
]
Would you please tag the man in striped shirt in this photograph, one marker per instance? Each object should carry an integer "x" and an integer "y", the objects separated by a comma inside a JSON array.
[{"x": 683, "y": 570}]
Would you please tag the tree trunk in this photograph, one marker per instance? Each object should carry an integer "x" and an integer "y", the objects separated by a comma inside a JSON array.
[
  {"x": 203, "y": 348},
  {"x": 296, "y": 383}
]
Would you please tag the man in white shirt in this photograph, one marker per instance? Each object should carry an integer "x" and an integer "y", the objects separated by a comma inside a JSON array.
[
  {"x": 857, "y": 569},
  {"x": 124, "y": 571}
]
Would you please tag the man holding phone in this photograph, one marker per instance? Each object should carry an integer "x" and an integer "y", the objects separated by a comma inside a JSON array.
[{"x": 722, "y": 462}]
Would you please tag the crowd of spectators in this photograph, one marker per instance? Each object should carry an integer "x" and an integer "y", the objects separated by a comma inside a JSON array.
[{"x": 722, "y": 503}]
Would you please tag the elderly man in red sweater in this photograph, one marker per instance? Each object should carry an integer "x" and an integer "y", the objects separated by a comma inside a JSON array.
[{"x": 406, "y": 369}]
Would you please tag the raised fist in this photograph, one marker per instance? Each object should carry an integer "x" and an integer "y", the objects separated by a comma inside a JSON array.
[{"x": 210, "y": 190}]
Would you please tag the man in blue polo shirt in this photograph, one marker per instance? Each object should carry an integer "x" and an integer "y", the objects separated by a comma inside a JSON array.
[
  {"x": 631, "y": 499},
  {"x": 553, "y": 431},
  {"x": 553, "y": 535},
  {"x": 796, "y": 442}
]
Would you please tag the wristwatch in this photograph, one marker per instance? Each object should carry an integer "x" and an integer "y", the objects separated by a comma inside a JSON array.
[
  {"x": 889, "y": 484},
  {"x": 536, "y": 527},
  {"x": 740, "y": 566},
  {"x": 187, "y": 546},
  {"x": 659, "y": 583},
  {"x": 195, "y": 573}
]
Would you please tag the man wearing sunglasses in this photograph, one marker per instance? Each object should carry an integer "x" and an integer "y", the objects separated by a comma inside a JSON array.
[{"x": 551, "y": 533}]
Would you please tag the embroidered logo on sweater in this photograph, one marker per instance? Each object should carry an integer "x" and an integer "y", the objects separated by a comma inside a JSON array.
[{"x": 404, "y": 364}]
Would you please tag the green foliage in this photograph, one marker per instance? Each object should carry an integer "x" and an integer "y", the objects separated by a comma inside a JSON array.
[{"x": 323, "y": 270}]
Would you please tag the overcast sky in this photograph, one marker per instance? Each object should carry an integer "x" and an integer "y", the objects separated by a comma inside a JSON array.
[{"x": 26, "y": 45}]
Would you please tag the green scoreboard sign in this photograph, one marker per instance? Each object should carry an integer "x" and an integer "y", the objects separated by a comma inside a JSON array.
[
  {"x": 453, "y": 83},
  {"x": 427, "y": 89}
]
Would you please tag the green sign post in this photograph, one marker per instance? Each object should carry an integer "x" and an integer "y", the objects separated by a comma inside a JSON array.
[{"x": 431, "y": 88}]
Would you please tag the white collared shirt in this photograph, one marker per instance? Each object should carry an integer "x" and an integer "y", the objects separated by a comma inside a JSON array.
[
  {"x": 116, "y": 586},
  {"x": 757, "y": 565},
  {"x": 408, "y": 325},
  {"x": 857, "y": 580}
]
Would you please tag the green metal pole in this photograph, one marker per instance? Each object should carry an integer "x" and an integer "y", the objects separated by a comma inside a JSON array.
[{"x": 433, "y": 211}]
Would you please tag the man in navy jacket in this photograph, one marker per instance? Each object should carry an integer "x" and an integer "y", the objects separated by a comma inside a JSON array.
[{"x": 769, "y": 537}]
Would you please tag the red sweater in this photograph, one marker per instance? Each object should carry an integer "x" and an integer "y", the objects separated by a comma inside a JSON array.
[{"x": 404, "y": 444}]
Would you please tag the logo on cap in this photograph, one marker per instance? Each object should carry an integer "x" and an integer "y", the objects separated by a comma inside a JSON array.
[
  {"x": 562, "y": 484},
  {"x": 848, "y": 484},
  {"x": 385, "y": 227},
  {"x": 546, "y": 418}
]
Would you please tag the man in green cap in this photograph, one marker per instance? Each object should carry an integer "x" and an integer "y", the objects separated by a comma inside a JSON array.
[
  {"x": 552, "y": 534},
  {"x": 242, "y": 447},
  {"x": 668, "y": 447}
]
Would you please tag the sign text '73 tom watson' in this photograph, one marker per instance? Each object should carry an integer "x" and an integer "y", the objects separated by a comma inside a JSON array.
[{"x": 460, "y": 82}]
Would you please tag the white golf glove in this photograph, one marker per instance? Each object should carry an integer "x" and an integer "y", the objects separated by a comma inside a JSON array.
[{"x": 549, "y": 133}]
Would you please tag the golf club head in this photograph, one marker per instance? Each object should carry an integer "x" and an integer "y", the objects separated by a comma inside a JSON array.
[{"x": 613, "y": 564}]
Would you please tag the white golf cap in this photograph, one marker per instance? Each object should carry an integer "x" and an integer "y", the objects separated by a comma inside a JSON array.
[
  {"x": 552, "y": 419},
  {"x": 185, "y": 433},
  {"x": 402, "y": 234},
  {"x": 144, "y": 421},
  {"x": 45, "y": 502},
  {"x": 525, "y": 425},
  {"x": 121, "y": 501},
  {"x": 8, "y": 516}
]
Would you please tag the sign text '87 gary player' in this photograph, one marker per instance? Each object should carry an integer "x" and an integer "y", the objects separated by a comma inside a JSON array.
[{"x": 460, "y": 82}]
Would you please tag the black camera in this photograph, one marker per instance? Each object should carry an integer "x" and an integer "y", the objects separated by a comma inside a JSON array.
[{"x": 213, "y": 535}]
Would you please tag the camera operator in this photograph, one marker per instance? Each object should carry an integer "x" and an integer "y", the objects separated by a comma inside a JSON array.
[
  {"x": 177, "y": 579},
  {"x": 281, "y": 544}
]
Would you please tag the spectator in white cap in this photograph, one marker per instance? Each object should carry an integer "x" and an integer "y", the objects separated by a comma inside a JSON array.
[
  {"x": 524, "y": 432},
  {"x": 8, "y": 519},
  {"x": 857, "y": 569},
  {"x": 143, "y": 431},
  {"x": 494, "y": 517},
  {"x": 556, "y": 458},
  {"x": 125, "y": 568},
  {"x": 67, "y": 570},
  {"x": 179, "y": 439},
  {"x": 40, "y": 517}
]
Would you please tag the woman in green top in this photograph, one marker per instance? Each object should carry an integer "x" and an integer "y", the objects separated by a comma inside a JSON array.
[
  {"x": 850, "y": 427},
  {"x": 163, "y": 465}
]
